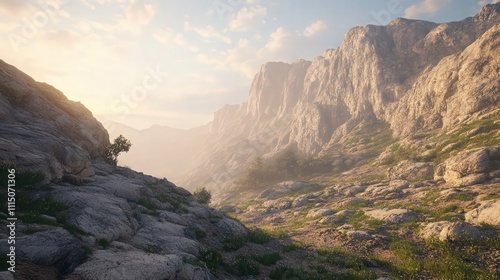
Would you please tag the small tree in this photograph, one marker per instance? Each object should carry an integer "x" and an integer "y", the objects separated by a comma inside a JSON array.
[
  {"x": 202, "y": 195},
  {"x": 121, "y": 144}
]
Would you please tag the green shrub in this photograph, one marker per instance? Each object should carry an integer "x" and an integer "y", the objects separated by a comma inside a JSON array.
[
  {"x": 244, "y": 266},
  {"x": 233, "y": 243},
  {"x": 202, "y": 195},
  {"x": 103, "y": 243},
  {"x": 152, "y": 250},
  {"x": 200, "y": 233},
  {"x": 212, "y": 259},
  {"x": 121, "y": 144},
  {"x": 259, "y": 236},
  {"x": 267, "y": 259}
]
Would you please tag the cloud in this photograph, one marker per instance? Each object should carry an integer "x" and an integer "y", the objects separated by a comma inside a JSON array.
[
  {"x": 207, "y": 32},
  {"x": 277, "y": 40},
  {"x": 246, "y": 19},
  {"x": 315, "y": 28},
  {"x": 15, "y": 8},
  {"x": 425, "y": 7},
  {"x": 136, "y": 15},
  {"x": 168, "y": 36}
]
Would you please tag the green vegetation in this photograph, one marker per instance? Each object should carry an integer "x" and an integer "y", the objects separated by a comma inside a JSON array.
[
  {"x": 243, "y": 266},
  {"x": 74, "y": 229},
  {"x": 4, "y": 265},
  {"x": 120, "y": 144},
  {"x": 200, "y": 233},
  {"x": 342, "y": 258},
  {"x": 147, "y": 203},
  {"x": 103, "y": 243},
  {"x": 267, "y": 259},
  {"x": 233, "y": 243},
  {"x": 282, "y": 272},
  {"x": 212, "y": 260},
  {"x": 32, "y": 209},
  {"x": 152, "y": 250},
  {"x": 202, "y": 195},
  {"x": 290, "y": 248},
  {"x": 439, "y": 260}
]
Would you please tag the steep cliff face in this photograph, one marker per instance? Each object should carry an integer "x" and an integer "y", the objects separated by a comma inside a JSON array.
[
  {"x": 58, "y": 136},
  {"x": 414, "y": 75}
]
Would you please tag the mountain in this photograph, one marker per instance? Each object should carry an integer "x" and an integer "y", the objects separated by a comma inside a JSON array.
[
  {"x": 71, "y": 215},
  {"x": 408, "y": 78},
  {"x": 160, "y": 151}
]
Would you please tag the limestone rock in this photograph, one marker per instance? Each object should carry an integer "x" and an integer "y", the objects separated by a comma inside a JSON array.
[
  {"x": 432, "y": 230},
  {"x": 460, "y": 231},
  {"x": 67, "y": 131},
  {"x": 471, "y": 166},
  {"x": 488, "y": 212},
  {"x": 412, "y": 171},
  {"x": 131, "y": 265},
  {"x": 391, "y": 216},
  {"x": 56, "y": 247},
  {"x": 320, "y": 212},
  {"x": 103, "y": 216},
  {"x": 232, "y": 227}
]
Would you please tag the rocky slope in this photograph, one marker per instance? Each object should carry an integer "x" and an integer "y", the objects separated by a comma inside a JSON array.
[
  {"x": 44, "y": 112},
  {"x": 413, "y": 76},
  {"x": 80, "y": 218}
]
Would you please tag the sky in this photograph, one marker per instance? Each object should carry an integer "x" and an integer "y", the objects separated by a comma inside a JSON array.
[{"x": 176, "y": 62}]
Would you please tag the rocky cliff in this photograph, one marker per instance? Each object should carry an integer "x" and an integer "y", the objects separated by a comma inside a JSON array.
[
  {"x": 80, "y": 218},
  {"x": 415, "y": 76},
  {"x": 44, "y": 112}
]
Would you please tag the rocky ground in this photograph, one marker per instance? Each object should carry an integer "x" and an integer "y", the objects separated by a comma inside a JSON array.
[{"x": 118, "y": 224}]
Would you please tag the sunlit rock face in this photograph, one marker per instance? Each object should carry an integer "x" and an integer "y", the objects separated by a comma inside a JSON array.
[
  {"x": 44, "y": 131},
  {"x": 413, "y": 75}
]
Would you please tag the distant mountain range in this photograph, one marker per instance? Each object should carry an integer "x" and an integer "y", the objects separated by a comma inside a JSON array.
[{"x": 411, "y": 77}]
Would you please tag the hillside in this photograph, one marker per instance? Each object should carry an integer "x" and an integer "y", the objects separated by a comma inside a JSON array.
[{"x": 409, "y": 78}]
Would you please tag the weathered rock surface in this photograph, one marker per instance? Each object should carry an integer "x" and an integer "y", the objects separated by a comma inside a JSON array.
[
  {"x": 415, "y": 76},
  {"x": 391, "y": 216},
  {"x": 471, "y": 166},
  {"x": 131, "y": 265},
  {"x": 488, "y": 212},
  {"x": 56, "y": 247},
  {"x": 412, "y": 171},
  {"x": 460, "y": 231},
  {"x": 288, "y": 187},
  {"x": 70, "y": 136}
]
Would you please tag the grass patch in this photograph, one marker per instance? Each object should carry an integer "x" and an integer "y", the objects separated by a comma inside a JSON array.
[
  {"x": 282, "y": 272},
  {"x": 259, "y": 236},
  {"x": 440, "y": 260},
  {"x": 342, "y": 258},
  {"x": 233, "y": 243},
  {"x": 212, "y": 260},
  {"x": 103, "y": 243},
  {"x": 490, "y": 197},
  {"x": 147, "y": 203},
  {"x": 74, "y": 229},
  {"x": 152, "y": 249},
  {"x": 290, "y": 248},
  {"x": 243, "y": 266},
  {"x": 267, "y": 259},
  {"x": 200, "y": 233}
]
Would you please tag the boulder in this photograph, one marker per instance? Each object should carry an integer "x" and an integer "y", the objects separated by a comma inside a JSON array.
[
  {"x": 391, "y": 216},
  {"x": 131, "y": 265},
  {"x": 320, "y": 212},
  {"x": 488, "y": 212},
  {"x": 460, "y": 231},
  {"x": 433, "y": 229},
  {"x": 359, "y": 235},
  {"x": 55, "y": 247},
  {"x": 232, "y": 227},
  {"x": 471, "y": 166},
  {"x": 101, "y": 215},
  {"x": 412, "y": 171}
]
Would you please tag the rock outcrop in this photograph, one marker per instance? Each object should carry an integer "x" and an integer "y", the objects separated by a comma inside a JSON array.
[
  {"x": 87, "y": 219},
  {"x": 413, "y": 76},
  {"x": 44, "y": 113}
]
